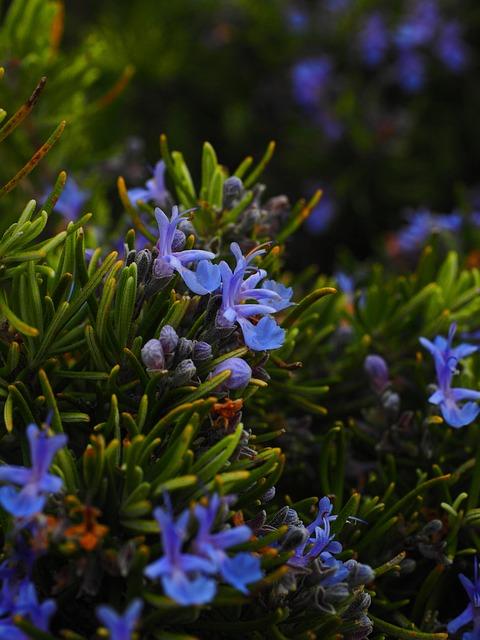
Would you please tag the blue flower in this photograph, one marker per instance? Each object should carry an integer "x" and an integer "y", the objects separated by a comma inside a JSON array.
[
  {"x": 284, "y": 294},
  {"x": 239, "y": 570},
  {"x": 321, "y": 545},
  {"x": 322, "y": 215},
  {"x": 236, "y": 290},
  {"x": 19, "y": 597},
  {"x": 71, "y": 200},
  {"x": 171, "y": 257},
  {"x": 445, "y": 358},
  {"x": 373, "y": 39},
  {"x": 410, "y": 71},
  {"x": 182, "y": 574},
  {"x": 240, "y": 375},
  {"x": 36, "y": 482},
  {"x": 420, "y": 25},
  {"x": 310, "y": 79},
  {"x": 451, "y": 48},
  {"x": 377, "y": 370},
  {"x": 120, "y": 627},
  {"x": 154, "y": 189},
  {"x": 472, "y": 612}
]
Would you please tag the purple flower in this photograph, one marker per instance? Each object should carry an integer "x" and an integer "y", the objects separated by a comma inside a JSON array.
[
  {"x": 472, "y": 612},
  {"x": 373, "y": 39},
  {"x": 310, "y": 79},
  {"x": 71, "y": 200},
  {"x": 377, "y": 370},
  {"x": 36, "y": 482},
  {"x": 410, "y": 71},
  {"x": 236, "y": 290},
  {"x": 240, "y": 375},
  {"x": 451, "y": 48},
  {"x": 171, "y": 257},
  {"x": 422, "y": 224},
  {"x": 239, "y": 570},
  {"x": 120, "y": 627},
  {"x": 154, "y": 189},
  {"x": 445, "y": 358},
  {"x": 182, "y": 574}
]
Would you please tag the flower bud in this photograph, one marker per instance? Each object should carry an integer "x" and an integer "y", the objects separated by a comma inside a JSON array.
[
  {"x": 153, "y": 356},
  {"x": 359, "y": 573},
  {"x": 240, "y": 375},
  {"x": 169, "y": 338},
  {"x": 184, "y": 349},
  {"x": 294, "y": 537},
  {"x": 178, "y": 241},
  {"x": 183, "y": 373},
  {"x": 143, "y": 260},
  {"x": 232, "y": 191},
  {"x": 201, "y": 351},
  {"x": 377, "y": 370}
]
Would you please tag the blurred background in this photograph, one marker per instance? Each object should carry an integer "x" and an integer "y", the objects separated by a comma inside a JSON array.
[{"x": 374, "y": 102}]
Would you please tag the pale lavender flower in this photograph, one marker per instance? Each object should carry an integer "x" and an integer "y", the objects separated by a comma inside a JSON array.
[{"x": 154, "y": 190}]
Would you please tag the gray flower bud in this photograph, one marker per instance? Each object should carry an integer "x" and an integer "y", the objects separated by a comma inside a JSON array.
[
  {"x": 183, "y": 373},
  {"x": 184, "y": 349},
  {"x": 153, "y": 356},
  {"x": 232, "y": 191},
  {"x": 359, "y": 573},
  {"x": 169, "y": 338},
  {"x": 143, "y": 260},
  {"x": 294, "y": 537}
]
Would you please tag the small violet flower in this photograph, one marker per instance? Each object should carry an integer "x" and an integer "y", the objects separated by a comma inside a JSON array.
[
  {"x": 154, "y": 190},
  {"x": 472, "y": 612},
  {"x": 240, "y": 375},
  {"x": 451, "y": 49},
  {"x": 36, "y": 482},
  {"x": 172, "y": 258},
  {"x": 71, "y": 200},
  {"x": 445, "y": 358},
  {"x": 182, "y": 574},
  {"x": 236, "y": 291},
  {"x": 239, "y": 570},
  {"x": 120, "y": 627},
  {"x": 310, "y": 79}
]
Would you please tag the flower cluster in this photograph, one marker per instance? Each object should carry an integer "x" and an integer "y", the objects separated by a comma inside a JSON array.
[{"x": 189, "y": 577}]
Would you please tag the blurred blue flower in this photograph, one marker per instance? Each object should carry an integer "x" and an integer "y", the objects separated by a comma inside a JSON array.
[
  {"x": 172, "y": 258},
  {"x": 472, "y": 612},
  {"x": 19, "y": 597},
  {"x": 419, "y": 26},
  {"x": 410, "y": 71},
  {"x": 120, "y": 626},
  {"x": 239, "y": 570},
  {"x": 322, "y": 215},
  {"x": 451, "y": 48},
  {"x": 310, "y": 79},
  {"x": 236, "y": 290},
  {"x": 297, "y": 19},
  {"x": 377, "y": 370},
  {"x": 422, "y": 224},
  {"x": 373, "y": 39},
  {"x": 240, "y": 376},
  {"x": 71, "y": 200},
  {"x": 446, "y": 358},
  {"x": 36, "y": 482},
  {"x": 185, "y": 577},
  {"x": 154, "y": 190}
]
